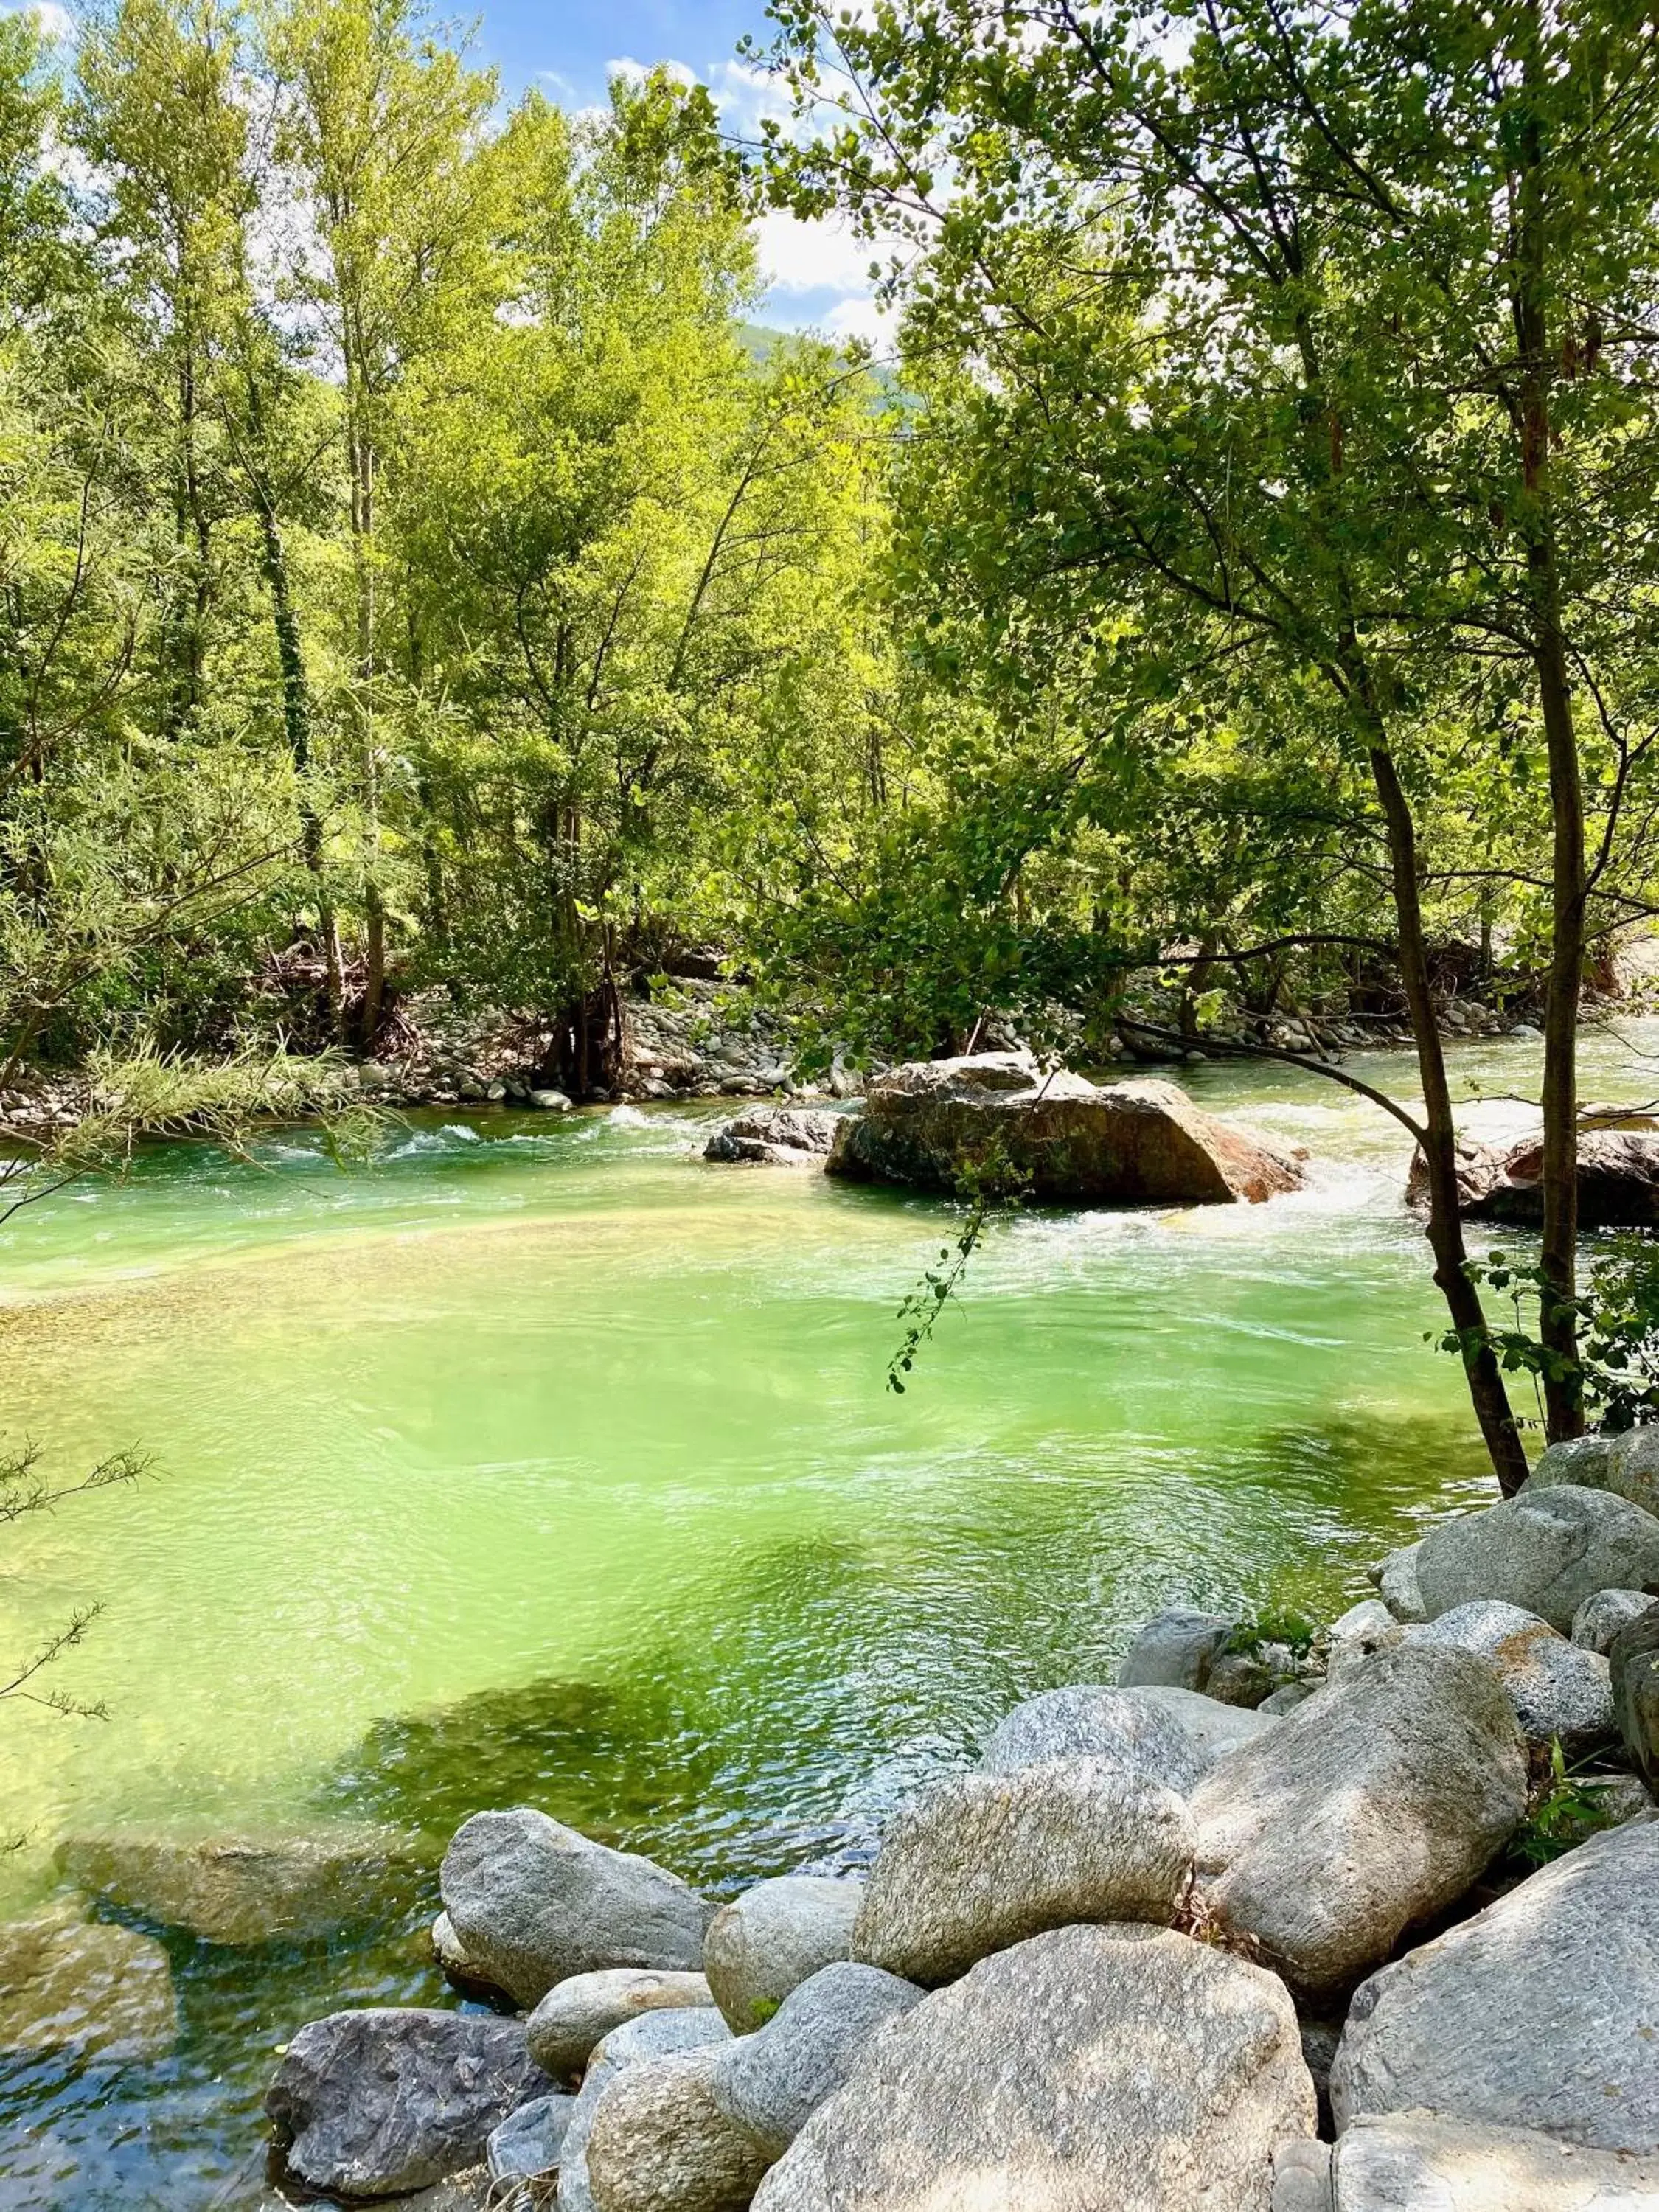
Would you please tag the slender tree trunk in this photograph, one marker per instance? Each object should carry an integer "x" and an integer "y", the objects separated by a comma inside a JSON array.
[{"x": 1486, "y": 1379}]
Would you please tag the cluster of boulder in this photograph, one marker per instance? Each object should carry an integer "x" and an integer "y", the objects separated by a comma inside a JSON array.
[
  {"x": 1251, "y": 1930},
  {"x": 1050, "y": 1136}
]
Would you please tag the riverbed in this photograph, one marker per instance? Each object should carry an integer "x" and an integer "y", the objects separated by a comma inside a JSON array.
[{"x": 541, "y": 1460}]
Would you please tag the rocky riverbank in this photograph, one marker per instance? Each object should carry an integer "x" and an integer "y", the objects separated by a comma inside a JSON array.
[{"x": 1363, "y": 1918}]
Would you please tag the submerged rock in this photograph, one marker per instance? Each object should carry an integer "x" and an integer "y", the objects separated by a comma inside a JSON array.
[
  {"x": 579, "y": 2013},
  {"x": 376, "y": 2104},
  {"x": 1164, "y": 1735},
  {"x": 1545, "y": 1551},
  {"x": 252, "y": 1887},
  {"x": 775, "y": 1136},
  {"x": 1062, "y": 1138},
  {"x": 980, "y": 1862},
  {"x": 773, "y": 1937},
  {"x": 1540, "y": 2012},
  {"x": 1374, "y": 1805},
  {"x": 533, "y": 1902},
  {"x": 660, "y": 2142},
  {"x": 1128, "y": 2068},
  {"x": 772, "y": 2082},
  {"x": 1557, "y": 1689},
  {"x": 75, "y": 1985}
]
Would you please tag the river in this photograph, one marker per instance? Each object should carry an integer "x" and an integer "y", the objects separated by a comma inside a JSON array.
[{"x": 543, "y": 1461}]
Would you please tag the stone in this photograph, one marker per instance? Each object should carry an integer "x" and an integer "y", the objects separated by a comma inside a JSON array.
[
  {"x": 1633, "y": 1672},
  {"x": 579, "y": 2013},
  {"x": 74, "y": 1985},
  {"x": 1618, "y": 1181},
  {"x": 1557, "y": 1689},
  {"x": 1372, "y": 1806},
  {"x": 775, "y": 1937},
  {"x": 772, "y": 2082},
  {"x": 528, "y": 2141},
  {"x": 1164, "y": 1735},
  {"x": 1627, "y": 1466},
  {"x": 376, "y": 2104},
  {"x": 1302, "y": 2176},
  {"x": 1126, "y": 2067},
  {"x": 548, "y": 1102},
  {"x": 1545, "y": 1551},
  {"x": 652, "y": 2035},
  {"x": 1176, "y": 1650},
  {"x": 460, "y": 1971},
  {"x": 1398, "y": 1586},
  {"x": 1600, "y": 1618},
  {"x": 1423, "y": 2163},
  {"x": 1066, "y": 1140},
  {"x": 978, "y": 1862},
  {"x": 1286, "y": 1700},
  {"x": 661, "y": 2143},
  {"x": 533, "y": 1902},
  {"x": 1242, "y": 1679},
  {"x": 1363, "y": 1630},
  {"x": 1540, "y": 2012},
  {"x": 253, "y": 1888},
  {"x": 775, "y": 1136}
]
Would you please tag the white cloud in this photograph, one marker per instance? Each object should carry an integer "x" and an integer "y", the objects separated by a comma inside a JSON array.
[
  {"x": 812, "y": 257},
  {"x": 636, "y": 72}
]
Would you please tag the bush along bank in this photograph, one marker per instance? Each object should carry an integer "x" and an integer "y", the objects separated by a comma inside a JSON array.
[{"x": 1282, "y": 1921}]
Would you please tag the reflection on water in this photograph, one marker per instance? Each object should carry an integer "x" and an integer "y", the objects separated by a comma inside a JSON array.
[{"x": 546, "y": 1462}]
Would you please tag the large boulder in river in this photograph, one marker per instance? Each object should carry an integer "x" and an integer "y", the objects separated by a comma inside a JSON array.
[
  {"x": 1540, "y": 2012},
  {"x": 1373, "y": 1806},
  {"x": 654, "y": 2035},
  {"x": 1126, "y": 2067},
  {"x": 1058, "y": 1136},
  {"x": 579, "y": 2013},
  {"x": 981, "y": 1861},
  {"x": 772, "y": 2082},
  {"x": 1618, "y": 1181},
  {"x": 1559, "y": 1691},
  {"x": 660, "y": 2142},
  {"x": 1545, "y": 1551},
  {"x": 776, "y": 1137},
  {"x": 772, "y": 1938},
  {"x": 533, "y": 1902},
  {"x": 68, "y": 1984},
  {"x": 251, "y": 1887},
  {"x": 377, "y": 2104},
  {"x": 1164, "y": 1735}
]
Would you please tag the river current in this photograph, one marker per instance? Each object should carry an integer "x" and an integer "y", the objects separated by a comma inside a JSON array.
[{"x": 544, "y": 1462}]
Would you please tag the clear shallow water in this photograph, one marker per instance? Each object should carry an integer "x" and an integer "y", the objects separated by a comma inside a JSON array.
[{"x": 545, "y": 1462}]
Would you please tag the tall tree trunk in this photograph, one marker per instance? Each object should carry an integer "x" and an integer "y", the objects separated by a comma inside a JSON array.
[{"x": 1486, "y": 1379}]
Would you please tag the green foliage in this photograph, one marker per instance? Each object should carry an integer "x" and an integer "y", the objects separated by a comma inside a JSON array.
[
  {"x": 1615, "y": 1375},
  {"x": 986, "y": 1186},
  {"x": 1277, "y": 1625},
  {"x": 1567, "y": 1813}
]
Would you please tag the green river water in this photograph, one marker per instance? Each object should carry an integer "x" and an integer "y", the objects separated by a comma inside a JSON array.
[{"x": 547, "y": 1463}]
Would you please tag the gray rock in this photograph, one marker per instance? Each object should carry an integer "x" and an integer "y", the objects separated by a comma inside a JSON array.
[
  {"x": 1302, "y": 2176},
  {"x": 255, "y": 1886},
  {"x": 529, "y": 2142},
  {"x": 775, "y": 1136},
  {"x": 1176, "y": 1650},
  {"x": 1600, "y": 1618},
  {"x": 72, "y": 1984},
  {"x": 533, "y": 1902},
  {"x": 1423, "y": 2163},
  {"x": 653, "y": 2035},
  {"x": 579, "y": 2013},
  {"x": 982, "y": 1861},
  {"x": 548, "y": 1102},
  {"x": 375, "y": 2103},
  {"x": 1362, "y": 1631},
  {"x": 661, "y": 2143},
  {"x": 1149, "y": 1731},
  {"x": 1286, "y": 1700},
  {"x": 1398, "y": 1585},
  {"x": 1628, "y": 1465},
  {"x": 1557, "y": 1689},
  {"x": 1545, "y": 1551},
  {"x": 1373, "y": 1806},
  {"x": 1242, "y": 1678},
  {"x": 775, "y": 1937},
  {"x": 771, "y": 2083},
  {"x": 1633, "y": 1671},
  {"x": 1543, "y": 2011},
  {"x": 1122, "y": 2068}
]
